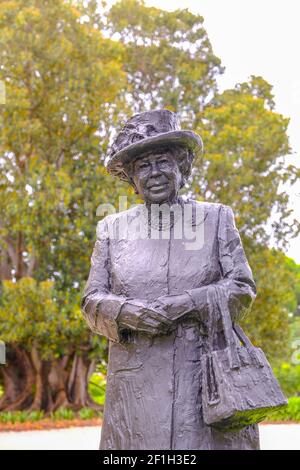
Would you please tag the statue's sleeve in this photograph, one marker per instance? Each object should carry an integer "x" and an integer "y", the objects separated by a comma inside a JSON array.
[
  {"x": 99, "y": 306},
  {"x": 236, "y": 273}
]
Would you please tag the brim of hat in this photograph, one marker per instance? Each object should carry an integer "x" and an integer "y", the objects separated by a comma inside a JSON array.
[{"x": 185, "y": 138}]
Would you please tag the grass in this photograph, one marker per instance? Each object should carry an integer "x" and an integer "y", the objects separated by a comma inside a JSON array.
[
  {"x": 290, "y": 413},
  {"x": 62, "y": 414},
  {"x": 13, "y": 417}
]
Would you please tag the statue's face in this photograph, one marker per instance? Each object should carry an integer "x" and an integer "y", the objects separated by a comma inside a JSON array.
[{"x": 157, "y": 177}]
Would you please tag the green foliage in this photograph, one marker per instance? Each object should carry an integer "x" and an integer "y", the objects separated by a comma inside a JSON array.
[
  {"x": 61, "y": 77},
  {"x": 294, "y": 304},
  {"x": 295, "y": 331},
  {"x": 87, "y": 413},
  {"x": 288, "y": 376},
  {"x": 20, "y": 416},
  {"x": 63, "y": 413},
  {"x": 9, "y": 417},
  {"x": 244, "y": 165},
  {"x": 268, "y": 322},
  {"x": 288, "y": 413},
  {"x": 168, "y": 58},
  {"x": 28, "y": 313},
  {"x": 35, "y": 315},
  {"x": 97, "y": 386}
]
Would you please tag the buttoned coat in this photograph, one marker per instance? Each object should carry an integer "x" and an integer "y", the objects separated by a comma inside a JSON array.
[{"x": 153, "y": 395}]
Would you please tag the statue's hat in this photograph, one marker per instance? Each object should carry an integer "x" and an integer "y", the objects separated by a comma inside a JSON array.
[{"x": 146, "y": 131}]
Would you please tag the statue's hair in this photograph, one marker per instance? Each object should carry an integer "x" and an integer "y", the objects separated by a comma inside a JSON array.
[{"x": 183, "y": 155}]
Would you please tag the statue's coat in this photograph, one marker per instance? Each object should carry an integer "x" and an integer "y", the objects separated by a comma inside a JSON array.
[{"x": 153, "y": 396}]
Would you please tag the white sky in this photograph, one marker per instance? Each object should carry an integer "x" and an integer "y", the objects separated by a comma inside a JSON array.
[{"x": 257, "y": 37}]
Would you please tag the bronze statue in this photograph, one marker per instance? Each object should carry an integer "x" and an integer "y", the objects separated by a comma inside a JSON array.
[{"x": 151, "y": 295}]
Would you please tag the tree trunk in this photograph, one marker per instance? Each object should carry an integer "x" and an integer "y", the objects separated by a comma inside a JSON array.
[
  {"x": 18, "y": 379},
  {"x": 58, "y": 381},
  {"x": 42, "y": 397},
  {"x": 82, "y": 368},
  {"x": 34, "y": 384},
  {"x": 5, "y": 265}
]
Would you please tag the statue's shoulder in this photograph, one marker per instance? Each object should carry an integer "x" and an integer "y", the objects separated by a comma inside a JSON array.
[
  {"x": 116, "y": 217},
  {"x": 132, "y": 212},
  {"x": 209, "y": 207},
  {"x": 215, "y": 212},
  {"x": 212, "y": 206}
]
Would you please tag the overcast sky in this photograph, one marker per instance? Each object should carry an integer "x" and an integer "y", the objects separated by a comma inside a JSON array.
[{"x": 257, "y": 37}]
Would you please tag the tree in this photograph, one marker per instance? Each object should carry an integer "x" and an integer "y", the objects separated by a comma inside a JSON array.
[
  {"x": 49, "y": 130},
  {"x": 49, "y": 352},
  {"x": 294, "y": 269},
  {"x": 61, "y": 77},
  {"x": 244, "y": 165},
  {"x": 268, "y": 322},
  {"x": 169, "y": 60}
]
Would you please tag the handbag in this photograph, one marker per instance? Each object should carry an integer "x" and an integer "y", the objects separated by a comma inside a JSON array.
[{"x": 238, "y": 384}]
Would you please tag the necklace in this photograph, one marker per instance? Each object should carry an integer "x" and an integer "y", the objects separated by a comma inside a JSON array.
[{"x": 161, "y": 217}]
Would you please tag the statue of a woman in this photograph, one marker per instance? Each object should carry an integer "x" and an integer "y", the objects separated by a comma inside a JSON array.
[{"x": 148, "y": 294}]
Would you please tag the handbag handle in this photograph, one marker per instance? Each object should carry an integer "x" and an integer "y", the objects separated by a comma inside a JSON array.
[
  {"x": 222, "y": 304},
  {"x": 212, "y": 385},
  {"x": 211, "y": 317},
  {"x": 229, "y": 328},
  {"x": 247, "y": 343},
  {"x": 217, "y": 300}
]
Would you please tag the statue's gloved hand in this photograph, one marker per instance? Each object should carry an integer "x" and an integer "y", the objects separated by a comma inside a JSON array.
[
  {"x": 141, "y": 316},
  {"x": 175, "y": 306}
]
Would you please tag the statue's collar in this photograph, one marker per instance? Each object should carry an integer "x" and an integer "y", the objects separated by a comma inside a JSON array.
[{"x": 164, "y": 216}]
